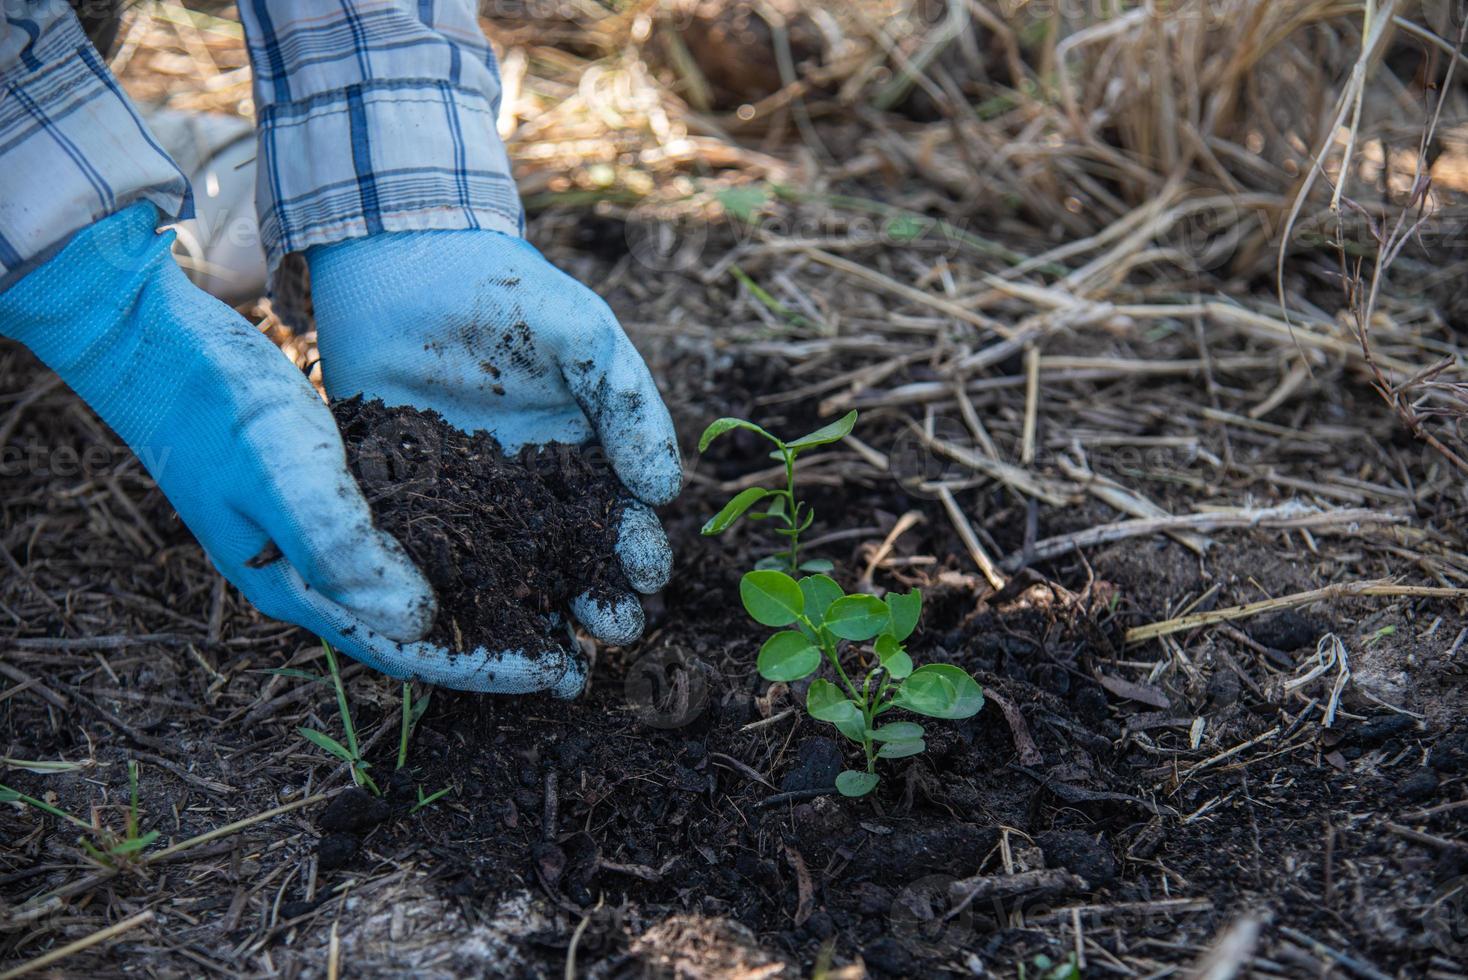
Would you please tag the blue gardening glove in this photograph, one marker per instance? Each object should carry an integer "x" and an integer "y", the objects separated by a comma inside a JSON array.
[
  {"x": 479, "y": 327},
  {"x": 243, "y": 448}
]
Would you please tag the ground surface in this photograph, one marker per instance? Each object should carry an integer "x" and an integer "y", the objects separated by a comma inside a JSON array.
[
  {"x": 679, "y": 786},
  {"x": 1278, "y": 793}
]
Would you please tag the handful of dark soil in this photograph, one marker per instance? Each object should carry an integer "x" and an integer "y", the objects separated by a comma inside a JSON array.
[{"x": 505, "y": 541}]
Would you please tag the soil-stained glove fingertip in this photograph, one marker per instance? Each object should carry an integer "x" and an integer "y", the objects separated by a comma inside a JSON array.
[
  {"x": 642, "y": 547},
  {"x": 617, "y": 620}
]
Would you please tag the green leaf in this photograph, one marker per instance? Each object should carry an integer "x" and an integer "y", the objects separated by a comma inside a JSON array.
[
  {"x": 720, "y": 426},
  {"x": 905, "y": 610},
  {"x": 771, "y": 597},
  {"x": 898, "y": 731},
  {"x": 420, "y": 707},
  {"x": 733, "y": 510},
  {"x": 133, "y": 844},
  {"x": 857, "y": 617},
  {"x": 940, "y": 691},
  {"x": 895, "y": 660},
  {"x": 771, "y": 563},
  {"x": 40, "y": 766},
  {"x": 825, "y": 702},
  {"x": 325, "y": 741},
  {"x": 426, "y": 800},
  {"x": 901, "y": 750},
  {"x": 8, "y": 795},
  {"x": 295, "y": 672},
  {"x": 853, "y": 728},
  {"x": 744, "y": 201},
  {"x": 826, "y": 434},
  {"x": 788, "y": 656},
  {"x": 820, "y": 591},
  {"x": 817, "y": 565},
  {"x": 854, "y": 783},
  {"x": 905, "y": 228}
]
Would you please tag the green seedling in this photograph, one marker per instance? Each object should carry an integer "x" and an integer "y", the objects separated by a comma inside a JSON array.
[
  {"x": 426, "y": 800},
  {"x": 781, "y": 505},
  {"x": 111, "y": 849},
  {"x": 826, "y": 619},
  {"x": 1046, "y": 968},
  {"x": 350, "y": 753},
  {"x": 412, "y": 714}
]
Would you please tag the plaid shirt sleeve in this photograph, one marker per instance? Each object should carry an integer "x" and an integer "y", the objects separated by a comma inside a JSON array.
[
  {"x": 72, "y": 147},
  {"x": 374, "y": 115}
]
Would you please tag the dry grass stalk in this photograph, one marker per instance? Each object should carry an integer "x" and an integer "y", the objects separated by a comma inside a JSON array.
[
  {"x": 77, "y": 946},
  {"x": 1152, "y": 631}
]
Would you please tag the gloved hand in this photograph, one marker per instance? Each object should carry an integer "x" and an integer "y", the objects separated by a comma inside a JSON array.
[
  {"x": 479, "y": 327},
  {"x": 243, "y": 448}
]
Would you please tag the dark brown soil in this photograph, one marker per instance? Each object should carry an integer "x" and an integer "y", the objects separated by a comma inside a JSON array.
[
  {"x": 506, "y": 542},
  {"x": 682, "y": 808}
]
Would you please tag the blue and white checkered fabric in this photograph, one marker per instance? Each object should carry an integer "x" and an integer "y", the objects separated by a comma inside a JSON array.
[
  {"x": 72, "y": 148},
  {"x": 373, "y": 115}
]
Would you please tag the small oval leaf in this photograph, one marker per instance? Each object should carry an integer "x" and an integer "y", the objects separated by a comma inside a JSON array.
[
  {"x": 826, "y": 434},
  {"x": 901, "y": 750},
  {"x": 898, "y": 731},
  {"x": 733, "y": 510},
  {"x": 940, "y": 691},
  {"x": 895, "y": 660},
  {"x": 720, "y": 426},
  {"x": 905, "y": 610},
  {"x": 788, "y": 656},
  {"x": 857, "y": 617},
  {"x": 820, "y": 591},
  {"x": 853, "y": 783},
  {"x": 825, "y": 702},
  {"x": 817, "y": 566},
  {"x": 771, "y": 597}
]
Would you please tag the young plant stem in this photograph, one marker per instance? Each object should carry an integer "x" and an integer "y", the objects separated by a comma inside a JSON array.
[
  {"x": 866, "y": 724},
  {"x": 48, "y": 808},
  {"x": 407, "y": 722},
  {"x": 358, "y": 767},
  {"x": 869, "y": 709},
  {"x": 828, "y": 647},
  {"x": 132, "y": 811},
  {"x": 341, "y": 700},
  {"x": 792, "y": 519}
]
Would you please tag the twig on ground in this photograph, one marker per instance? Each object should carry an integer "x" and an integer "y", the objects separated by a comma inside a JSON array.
[
  {"x": 86, "y": 942},
  {"x": 1152, "y": 631}
]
